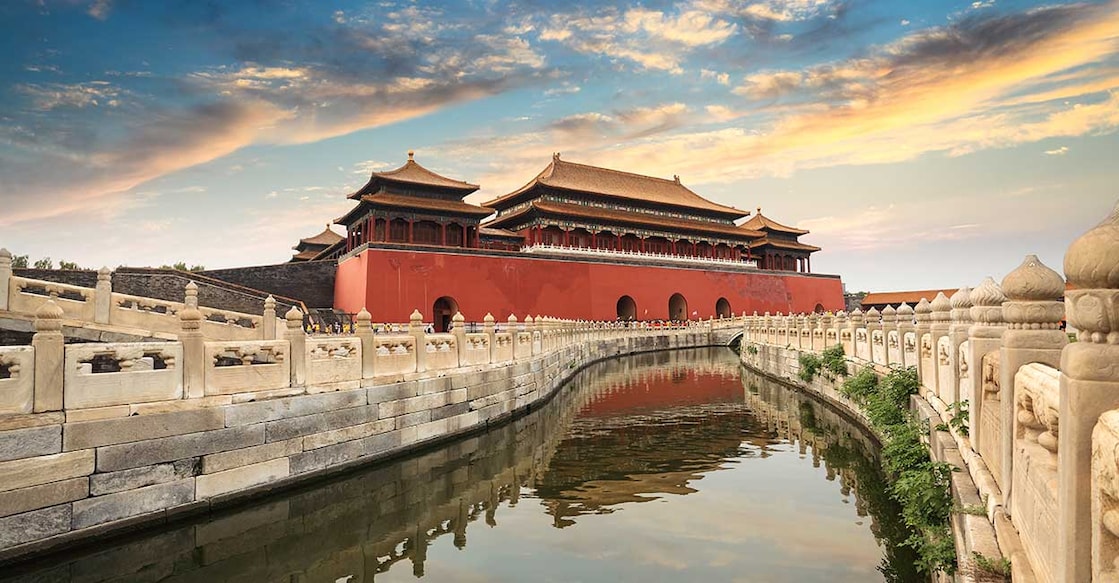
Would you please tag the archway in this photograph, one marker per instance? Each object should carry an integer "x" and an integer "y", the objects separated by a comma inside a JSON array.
[
  {"x": 442, "y": 311},
  {"x": 819, "y": 309},
  {"x": 722, "y": 308},
  {"x": 677, "y": 307},
  {"x": 627, "y": 308}
]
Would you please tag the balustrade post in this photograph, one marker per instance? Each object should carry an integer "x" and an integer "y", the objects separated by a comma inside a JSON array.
[
  {"x": 102, "y": 296},
  {"x": 957, "y": 333},
  {"x": 905, "y": 327},
  {"x": 1089, "y": 387},
  {"x": 984, "y": 345},
  {"x": 826, "y": 320},
  {"x": 890, "y": 324},
  {"x": 49, "y": 358},
  {"x": 515, "y": 337},
  {"x": 938, "y": 328},
  {"x": 458, "y": 330},
  {"x": 873, "y": 323},
  {"x": 812, "y": 323},
  {"x": 194, "y": 345},
  {"x": 5, "y": 277},
  {"x": 297, "y": 341},
  {"x": 416, "y": 330},
  {"x": 922, "y": 312},
  {"x": 840, "y": 324},
  {"x": 537, "y": 330},
  {"x": 856, "y": 324},
  {"x": 268, "y": 325},
  {"x": 489, "y": 326},
  {"x": 1032, "y": 314},
  {"x": 364, "y": 333}
]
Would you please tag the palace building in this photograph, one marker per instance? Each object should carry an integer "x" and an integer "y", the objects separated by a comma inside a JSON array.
[{"x": 576, "y": 241}]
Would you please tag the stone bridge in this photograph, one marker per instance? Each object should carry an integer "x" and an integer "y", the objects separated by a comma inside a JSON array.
[
  {"x": 1041, "y": 450},
  {"x": 220, "y": 406}
]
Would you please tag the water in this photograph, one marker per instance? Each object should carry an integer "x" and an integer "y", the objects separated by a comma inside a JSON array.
[{"x": 669, "y": 466}]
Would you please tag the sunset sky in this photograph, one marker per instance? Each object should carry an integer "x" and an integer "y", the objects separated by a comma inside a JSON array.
[{"x": 925, "y": 144}]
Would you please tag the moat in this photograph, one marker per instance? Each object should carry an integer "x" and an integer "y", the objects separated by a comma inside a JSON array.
[{"x": 675, "y": 465}]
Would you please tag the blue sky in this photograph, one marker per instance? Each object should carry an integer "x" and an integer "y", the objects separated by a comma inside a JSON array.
[{"x": 925, "y": 144}]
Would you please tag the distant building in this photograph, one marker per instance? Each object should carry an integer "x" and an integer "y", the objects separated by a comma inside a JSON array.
[
  {"x": 880, "y": 300},
  {"x": 577, "y": 241},
  {"x": 314, "y": 247}
]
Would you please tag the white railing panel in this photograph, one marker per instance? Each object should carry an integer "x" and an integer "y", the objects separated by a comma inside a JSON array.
[
  {"x": 247, "y": 366},
  {"x": 476, "y": 349},
  {"x": 393, "y": 354},
  {"x": 28, "y": 295},
  {"x": 1034, "y": 499},
  {"x": 17, "y": 379},
  {"x": 144, "y": 372},
  {"x": 334, "y": 361},
  {"x": 503, "y": 346},
  {"x": 442, "y": 352}
]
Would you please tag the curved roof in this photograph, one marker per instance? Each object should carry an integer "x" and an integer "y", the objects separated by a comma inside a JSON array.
[
  {"x": 608, "y": 216},
  {"x": 760, "y": 222},
  {"x": 413, "y": 173},
  {"x": 327, "y": 237},
  {"x": 616, "y": 184},
  {"x": 783, "y": 244}
]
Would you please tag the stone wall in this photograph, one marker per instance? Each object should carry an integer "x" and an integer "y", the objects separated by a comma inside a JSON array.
[
  {"x": 119, "y": 457},
  {"x": 311, "y": 282}
]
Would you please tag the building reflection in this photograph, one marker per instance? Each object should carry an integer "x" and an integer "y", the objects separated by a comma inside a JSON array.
[{"x": 625, "y": 431}]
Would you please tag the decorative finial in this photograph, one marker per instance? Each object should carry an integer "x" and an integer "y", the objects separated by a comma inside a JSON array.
[
  {"x": 759, "y": 210},
  {"x": 555, "y": 156},
  {"x": 1033, "y": 281},
  {"x": 1090, "y": 262},
  {"x": 676, "y": 178},
  {"x": 411, "y": 155}
]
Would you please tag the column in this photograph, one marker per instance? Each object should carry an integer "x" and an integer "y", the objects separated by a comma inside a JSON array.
[
  {"x": 808, "y": 265},
  {"x": 50, "y": 357},
  {"x": 410, "y": 222},
  {"x": 1089, "y": 387},
  {"x": 443, "y": 234},
  {"x": 566, "y": 237},
  {"x": 297, "y": 343}
]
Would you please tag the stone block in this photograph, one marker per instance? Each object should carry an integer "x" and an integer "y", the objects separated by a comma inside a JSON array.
[
  {"x": 389, "y": 409},
  {"x": 435, "y": 385},
  {"x": 378, "y": 444},
  {"x": 255, "y": 396},
  {"x": 412, "y": 419},
  {"x": 262, "y": 411},
  {"x": 449, "y": 411},
  {"x": 89, "y": 434},
  {"x": 308, "y": 424},
  {"x": 8, "y": 422},
  {"x": 33, "y": 471},
  {"x": 332, "y": 437},
  {"x": 323, "y": 457},
  {"x": 42, "y": 496},
  {"x": 33, "y": 441},
  {"x": 226, "y": 460},
  {"x": 381, "y": 393},
  {"x": 180, "y": 405},
  {"x": 131, "y": 479},
  {"x": 210, "y": 485},
  {"x": 34, "y": 525},
  {"x": 154, "y": 451},
  {"x": 425, "y": 402},
  {"x": 101, "y": 509},
  {"x": 98, "y": 413}
]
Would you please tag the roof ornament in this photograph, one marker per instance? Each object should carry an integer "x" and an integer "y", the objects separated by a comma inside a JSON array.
[
  {"x": 676, "y": 178},
  {"x": 411, "y": 155},
  {"x": 759, "y": 210},
  {"x": 555, "y": 156}
]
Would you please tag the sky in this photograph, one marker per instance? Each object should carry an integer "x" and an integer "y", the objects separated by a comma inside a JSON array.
[{"x": 924, "y": 144}]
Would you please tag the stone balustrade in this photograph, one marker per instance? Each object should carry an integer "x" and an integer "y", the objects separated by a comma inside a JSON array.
[
  {"x": 137, "y": 315},
  {"x": 1041, "y": 446}
]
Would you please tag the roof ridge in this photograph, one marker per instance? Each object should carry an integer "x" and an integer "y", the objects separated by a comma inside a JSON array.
[{"x": 675, "y": 179}]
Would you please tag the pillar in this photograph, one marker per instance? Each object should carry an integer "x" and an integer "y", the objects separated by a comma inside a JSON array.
[
  {"x": 905, "y": 326},
  {"x": 50, "y": 357},
  {"x": 458, "y": 330},
  {"x": 410, "y": 223},
  {"x": 938, "y": 328},
  {"x": 268, "y": 326},
  {"x": 855, "y": 324},
  {"x": 102, "y": 296},
  {"x": 566, "y": 237},
  {"x": 5, "y": 277},
  {"x": 890, "y": 324},
  {"x": 297, "y": 342},
  {"x": 416, "y": 330},
  {"x": 922, "y": 312},
  {"x": 984, "y": 337},
  {"x": 959, "y": 323},
  {"x": 194, "y": 345},
  {"x": 364, "y": 332},
  {"x": 489, "y": 326},
  {"x": 1089, "y": 385},
  {"x": 443, "y": 234},
  {"x": 1032, "y": 314}
]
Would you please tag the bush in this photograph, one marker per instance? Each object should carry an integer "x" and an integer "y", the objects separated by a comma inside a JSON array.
[
  {"x": 835, "y": 361},
  {"x": 860, "y": 386},
  {"x": 809, "y": 366},
  {"x": 751, "y": 349}
]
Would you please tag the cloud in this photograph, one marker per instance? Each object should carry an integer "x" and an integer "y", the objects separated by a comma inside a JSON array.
[
  {"x": 99, "y": 9},
  {"x": 49, "y": 96},
  {"x": 1058, "y": 151}
]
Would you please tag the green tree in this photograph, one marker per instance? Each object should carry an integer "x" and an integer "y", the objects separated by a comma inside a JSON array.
[
  {"x": 44, "y": 263},
  {"x": 20, "y": 261},
  {"x": 63, "y": 264}
]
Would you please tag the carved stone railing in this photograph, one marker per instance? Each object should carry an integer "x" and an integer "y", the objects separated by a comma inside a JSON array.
[
  {"x": 17, "y": 379},
  {"x": 114, "y": 374},
  {"x": 250, "y": 366},
  {"x": 1034, "y": 503}
]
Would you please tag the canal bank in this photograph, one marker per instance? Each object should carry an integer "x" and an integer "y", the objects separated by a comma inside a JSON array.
[
  {"x": 193, "y": 456},
  {"x": 664, "y": 466}
]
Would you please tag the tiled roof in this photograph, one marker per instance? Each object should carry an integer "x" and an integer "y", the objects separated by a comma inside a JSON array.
[
  {"x": 499, "y": 233},
  {"x": 412, "y": 173},
  {"x": 897, "y": 297},
  {"x": 760, "y": 222},
  {"x": 327, "y": 237},
  {"x": 781, "y": 244},
  {"x": 306, "y": 255},
  {"x": 399, "y": 201},
  {"x": 616, "y": 184},
  {"x": 609, "y": 216}
]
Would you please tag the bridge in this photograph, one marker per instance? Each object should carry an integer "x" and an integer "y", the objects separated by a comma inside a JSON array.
[{"x": 217, "y": 406}]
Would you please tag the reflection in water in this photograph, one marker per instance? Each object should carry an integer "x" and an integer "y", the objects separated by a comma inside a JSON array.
[{"x": 661, "y": 466}]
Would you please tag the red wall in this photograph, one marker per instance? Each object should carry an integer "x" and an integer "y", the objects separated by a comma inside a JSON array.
[{"x": 391, "y": 283}]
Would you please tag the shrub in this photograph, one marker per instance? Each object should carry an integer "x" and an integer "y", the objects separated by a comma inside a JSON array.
[
  {"x": 809, "y": 366},
  {"x": 835, "y": 361},
  {"x": 860, "y": 386}
]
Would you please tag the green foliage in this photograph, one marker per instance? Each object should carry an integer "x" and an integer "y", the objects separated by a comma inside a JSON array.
[
  {"x": 960, "y": 416},
  {"x": 1072, "y": 337},
  {"x": 751, "y": 349},
  {"x": 20, "y": 261},
  {"x": 182, "y": 266},
  {"x": 63, "y": 264},
  {"x": 44, "y": 263},
  {"x": 809, "y": 366},
  {"x": 988, "y": 569},
  {"x": 922, "y": 487},
  {"x": 834, "y": 361}
]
